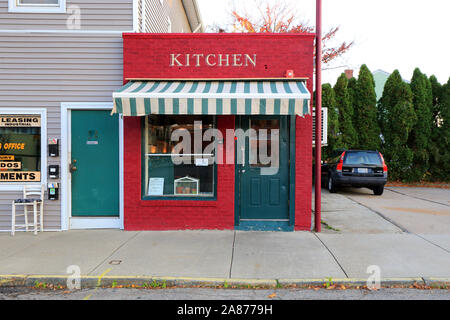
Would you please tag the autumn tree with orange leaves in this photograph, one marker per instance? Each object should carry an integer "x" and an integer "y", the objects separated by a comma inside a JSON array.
[{"x": 280, "y": 18}]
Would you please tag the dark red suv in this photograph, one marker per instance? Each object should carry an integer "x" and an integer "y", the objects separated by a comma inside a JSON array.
[{"x": 355, "y": 168}]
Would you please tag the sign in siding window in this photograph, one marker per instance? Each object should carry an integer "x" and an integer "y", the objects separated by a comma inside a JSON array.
[
  {"x": 37, "y": 2},
  {"x": 20, "y": 148},
  {"x": 37, "y": 6}
]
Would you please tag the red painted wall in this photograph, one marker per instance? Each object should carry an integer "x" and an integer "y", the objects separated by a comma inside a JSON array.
[
  {"x": 303, "y": 172},
  {"x": 148, "y": 56},
  {"x": 174, "y": 214}
]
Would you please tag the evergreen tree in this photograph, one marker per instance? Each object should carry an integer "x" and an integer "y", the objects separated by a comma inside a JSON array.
[
  {"x": 397, "y": 118},
  {"x": 351, "y": 87},
  {"x": 365, "y": 111},
  {"x": 420, "y": 137},
  {"x": 444, "y": 128},
  {"x": 345, "y": 113},
  {"x": 333, "y": 136},
  {"x": 436, "y": 144}
]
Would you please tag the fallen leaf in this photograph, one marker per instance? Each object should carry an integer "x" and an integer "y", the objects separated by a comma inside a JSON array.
[{"x": 273, "y": 295}]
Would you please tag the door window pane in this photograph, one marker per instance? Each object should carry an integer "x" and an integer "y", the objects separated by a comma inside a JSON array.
[{"x": 260, "y": 144}]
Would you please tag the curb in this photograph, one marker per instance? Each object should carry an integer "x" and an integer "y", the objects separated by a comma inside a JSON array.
[{"x": 161, "y": 282}]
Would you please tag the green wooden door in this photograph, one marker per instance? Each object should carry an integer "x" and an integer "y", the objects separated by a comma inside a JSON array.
[
  {"x": 263, "y": 195},
  {"x": 95, "y": 163}
]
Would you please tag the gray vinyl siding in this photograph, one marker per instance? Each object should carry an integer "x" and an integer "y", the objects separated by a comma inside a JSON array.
[
  {"x": 43, "y": 70},
  {"x": 95, "y": 15}
]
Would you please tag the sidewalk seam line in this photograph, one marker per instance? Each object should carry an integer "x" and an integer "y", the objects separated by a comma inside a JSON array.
[
  {"x": 380, "y": 214},
  {"x": 429, "y": 241},
  {"x": 334, "y": 257},
  {"x": 232, "y": 254},
  {"x": 114, "y": 251},
  {"x": 388, "y": 188},
  {"x": 397, "y": 225}
]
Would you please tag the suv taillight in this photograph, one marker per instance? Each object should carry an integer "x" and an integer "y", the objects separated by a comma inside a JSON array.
[
  {"x": 384, "y": 164},
  {"x": 341, "y": 162}
]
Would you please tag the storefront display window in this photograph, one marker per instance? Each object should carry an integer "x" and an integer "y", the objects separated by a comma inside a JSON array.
[
  {"x": 163, "y": 175},
  {"x": 20, "y": 148}
]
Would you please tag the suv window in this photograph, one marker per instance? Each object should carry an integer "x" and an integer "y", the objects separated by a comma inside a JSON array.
[{"x": 362, "y": 157}]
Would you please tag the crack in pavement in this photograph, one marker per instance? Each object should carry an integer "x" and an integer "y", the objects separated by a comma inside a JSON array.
[
  {"x": 232, "y": 254},
  {"x": 334, "y": 257}
]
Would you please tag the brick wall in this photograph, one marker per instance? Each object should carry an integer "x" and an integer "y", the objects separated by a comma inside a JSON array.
[
  {"x": 303, "y": 172},
  {"x": 174, "y": 214},
  {"x": 147, "y": 56}
]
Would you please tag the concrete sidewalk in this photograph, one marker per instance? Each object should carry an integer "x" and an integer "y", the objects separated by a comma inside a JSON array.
[{"x": 271, "y": 257}]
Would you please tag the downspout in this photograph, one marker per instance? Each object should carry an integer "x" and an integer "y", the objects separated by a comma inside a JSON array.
[
  {"x": 198, "y": 19},
  {"x": 318, "y": 143},
  {"x": 197, "y": 28}
]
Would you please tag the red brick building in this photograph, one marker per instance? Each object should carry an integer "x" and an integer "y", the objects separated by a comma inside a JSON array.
[{"x": 196, "y": 82}]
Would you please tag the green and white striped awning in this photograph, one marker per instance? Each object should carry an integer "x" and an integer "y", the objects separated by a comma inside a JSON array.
[{"x": 140, "y": 98}]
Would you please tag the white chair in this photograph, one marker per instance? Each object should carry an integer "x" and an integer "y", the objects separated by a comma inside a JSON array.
[{"x": 32, "y": 196}]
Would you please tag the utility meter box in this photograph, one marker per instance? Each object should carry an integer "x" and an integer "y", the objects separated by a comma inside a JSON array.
[
  {"x": 53, "y": 171},
  {"x": 53, "y": 147},
  {"x": 53, "y": 191}
]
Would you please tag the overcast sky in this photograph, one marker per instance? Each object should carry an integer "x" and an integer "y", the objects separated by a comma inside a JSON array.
[{"x": 388, "y": 34}]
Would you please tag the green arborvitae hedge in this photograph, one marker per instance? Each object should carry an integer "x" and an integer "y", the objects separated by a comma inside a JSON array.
[
  {"x": 365, "y": 111},
  {"x": 419, "y": 140},
  {"x": 440, "y": 161},
  {"x": 333, "y": 136},
  {"x": 396, "y": 118},
  {"x": 410, "y": 124},
  {"x": 345, "y": 113}
]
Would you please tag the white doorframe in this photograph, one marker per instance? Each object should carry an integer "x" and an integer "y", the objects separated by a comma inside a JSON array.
[{"x": 67, "y": 221}]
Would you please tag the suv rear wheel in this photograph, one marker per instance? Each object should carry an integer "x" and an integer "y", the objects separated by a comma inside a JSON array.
[
  {"x": 378, "y": 190},
  {"x": 331, "y": 185}
]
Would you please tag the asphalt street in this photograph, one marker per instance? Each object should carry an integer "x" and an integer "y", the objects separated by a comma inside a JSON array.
[{"x": 224, "y": 294}]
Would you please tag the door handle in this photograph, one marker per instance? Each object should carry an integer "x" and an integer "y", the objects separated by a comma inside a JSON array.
[{"x": 243, "y": 156}]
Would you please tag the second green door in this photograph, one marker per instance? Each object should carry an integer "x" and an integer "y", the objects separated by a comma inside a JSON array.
[{"x": 94, "y": 163}]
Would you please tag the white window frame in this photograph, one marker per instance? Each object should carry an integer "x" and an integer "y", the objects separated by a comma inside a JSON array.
[
  {"x": 18, "y": 186},
  {"x": 14, "y": 6}
]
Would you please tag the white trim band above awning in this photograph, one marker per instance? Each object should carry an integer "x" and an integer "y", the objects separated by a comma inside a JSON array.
[{"x": 140, "y": 98}]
